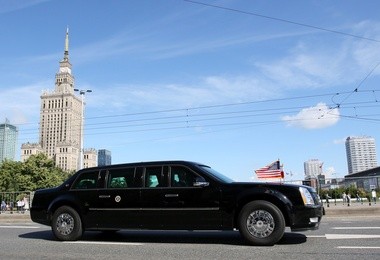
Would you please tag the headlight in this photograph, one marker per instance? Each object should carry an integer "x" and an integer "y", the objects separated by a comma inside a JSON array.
[{"x": 306, "y": 196}]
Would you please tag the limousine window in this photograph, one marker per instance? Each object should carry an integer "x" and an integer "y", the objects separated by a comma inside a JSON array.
[
  {"x": 87, "y": 180},
  {"x": 182, "y": 177},
  {"x": 153, "y": 177},
  {"x": 216, "y": 174},
  {"x": 122, "y": 178}
]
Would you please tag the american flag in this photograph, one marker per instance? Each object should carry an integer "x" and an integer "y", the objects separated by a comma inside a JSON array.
[{"x": 271, "y": 171}]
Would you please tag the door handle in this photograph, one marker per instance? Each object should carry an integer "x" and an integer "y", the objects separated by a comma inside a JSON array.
[
  {"x": 171, "y": 195},
  {"x": 104, "y": 196}
]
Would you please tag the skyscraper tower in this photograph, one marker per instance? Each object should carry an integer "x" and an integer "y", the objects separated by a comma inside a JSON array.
[
  {"x": 313, "y": 168},
  {"x": 61, "y": 124},
  {"x": 361, "y": 154},
  {"x": 60, "y": 117},
  {"x": 8, "y": 141}
]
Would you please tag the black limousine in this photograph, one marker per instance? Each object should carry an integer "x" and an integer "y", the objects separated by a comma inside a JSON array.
[{"x": 174, "y": 195}]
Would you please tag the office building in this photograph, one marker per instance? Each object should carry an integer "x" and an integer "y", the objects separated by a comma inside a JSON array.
[
  {"x": 29, "y": 149},
  {"x": 90, "y": 158},
  {"x": 104, "y": 157},
  {"x": 61, "y": 124},
  {"x": 361, "y": 154},
  {"x": 313, "y": 168},
  {"x": 8, "y": 141}
]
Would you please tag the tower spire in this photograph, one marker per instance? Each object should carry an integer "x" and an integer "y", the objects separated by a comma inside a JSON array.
[{"x": 66, "y": 53}]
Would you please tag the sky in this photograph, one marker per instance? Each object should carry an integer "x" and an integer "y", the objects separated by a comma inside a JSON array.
[{"x": 233, "y": 84}]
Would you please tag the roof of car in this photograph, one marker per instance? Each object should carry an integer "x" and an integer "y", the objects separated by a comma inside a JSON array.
[{"x": 147, "y": 163}]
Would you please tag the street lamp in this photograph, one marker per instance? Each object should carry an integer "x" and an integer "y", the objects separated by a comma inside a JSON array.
[{"x": 82, "y": 93}]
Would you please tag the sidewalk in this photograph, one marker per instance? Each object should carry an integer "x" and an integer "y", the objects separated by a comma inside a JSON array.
[
  {"x": 15, "y": 217},
  {"x": 355, "y": 209}
]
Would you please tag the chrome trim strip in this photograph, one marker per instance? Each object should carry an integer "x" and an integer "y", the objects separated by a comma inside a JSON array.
[
  {"x": 171, "y": 195},
  {"x": 154, "y": 209}
]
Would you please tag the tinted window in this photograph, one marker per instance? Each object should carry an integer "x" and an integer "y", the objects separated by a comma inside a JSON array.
[
  {"x": 216, "y": 174},
  {"x": 122, "y": 178},
  {"x": 182, "y": 177},
  {"x": 154, "y": 177},
  {"x": 87, "y": 180}
]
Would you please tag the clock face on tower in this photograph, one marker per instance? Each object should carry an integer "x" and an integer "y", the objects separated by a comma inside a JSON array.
[{"x": 64, "y": 70}]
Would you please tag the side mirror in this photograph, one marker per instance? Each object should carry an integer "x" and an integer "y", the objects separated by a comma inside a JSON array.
[{"x": 200, "y": 182}]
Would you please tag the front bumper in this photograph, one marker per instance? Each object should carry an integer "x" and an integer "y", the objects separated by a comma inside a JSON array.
[
  {"x": 307, "y": 218},
  {"x": 39, "y": 215}
]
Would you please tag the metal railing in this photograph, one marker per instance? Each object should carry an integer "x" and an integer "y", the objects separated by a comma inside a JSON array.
[{"x": 15, "y": 202}]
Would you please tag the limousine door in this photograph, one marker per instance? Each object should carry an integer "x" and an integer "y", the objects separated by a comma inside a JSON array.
[
  {"x": 119, "y": 201},
  {"x": 84, "y": 193},
  {"x": 176, "y": 203}
]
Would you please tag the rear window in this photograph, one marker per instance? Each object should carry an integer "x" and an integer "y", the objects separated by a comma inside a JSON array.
[{"x": 123, "y": 178}]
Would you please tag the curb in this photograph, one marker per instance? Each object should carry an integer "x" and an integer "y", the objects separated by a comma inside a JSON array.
[
  {"x": 353, "y": 210},
  {"x": 15, "y": 218}
]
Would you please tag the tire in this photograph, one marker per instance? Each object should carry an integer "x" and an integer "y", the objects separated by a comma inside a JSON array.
[
  {"x": 66, "y": 224},
  {"x": 261, "y": 223}
]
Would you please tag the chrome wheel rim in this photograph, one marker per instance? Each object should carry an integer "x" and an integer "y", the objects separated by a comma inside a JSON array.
[
  {"x": 260, "y": 224},
  {"x": 65, "y": 224}
]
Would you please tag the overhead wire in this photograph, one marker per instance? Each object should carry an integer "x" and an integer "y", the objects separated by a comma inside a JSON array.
[
  {"x": 298, "y": 24},
  {"x": 184, "y": 119},
  {"x": 281, "y": 20},
  {"x": 204, "y": 117},
  {"x": 357, "y": 88}
]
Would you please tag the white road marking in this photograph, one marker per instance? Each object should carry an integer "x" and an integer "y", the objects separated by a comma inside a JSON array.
[
  {"x": 343, "y": 236},
  {"x": 350, "y": 236},
  {"x": 19, "y": 227},
  {"x": 358, "y": 247},
  {"x": 355, "y": 228},
  {"x": 103, "y": 243}
]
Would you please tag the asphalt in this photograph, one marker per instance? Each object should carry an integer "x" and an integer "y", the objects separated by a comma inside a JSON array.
[{"x": 331, "y": 210}]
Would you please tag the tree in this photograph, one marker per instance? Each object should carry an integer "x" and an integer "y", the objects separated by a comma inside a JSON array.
[
  {"x": 9, "y": 175},
  {"x": 37, "y": 172}
]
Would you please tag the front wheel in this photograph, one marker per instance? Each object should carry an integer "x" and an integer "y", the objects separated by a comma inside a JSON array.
[
  {"x": 66, "y": 224},
  {"x": 261, "y": 223}
]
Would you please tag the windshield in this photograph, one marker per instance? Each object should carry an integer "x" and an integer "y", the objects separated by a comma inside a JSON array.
[{"x": 216, "y": 174}]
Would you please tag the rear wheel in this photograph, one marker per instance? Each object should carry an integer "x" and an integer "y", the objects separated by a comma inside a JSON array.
[
  {"x": 66, "y": 224},
  {"x": 261, "y": 223}
]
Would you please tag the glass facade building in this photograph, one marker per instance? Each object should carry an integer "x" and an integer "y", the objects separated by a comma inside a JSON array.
[
  {"x": 8, "y": 141},
  {"x": 104, "y": 157}
]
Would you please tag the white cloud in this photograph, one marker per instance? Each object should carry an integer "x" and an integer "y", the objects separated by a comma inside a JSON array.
[
  {"x": 21, "y": 104},
  {"x": 320, "y": 65},
  {"x": 329, "y": 172},
  {"x": 7, "y": 6},
  {"x": 206, "y": 91},
  {"x": 320, "y": 116},
  {"x": 366, "y": 53},
  {"x": 340, "y": 141}
]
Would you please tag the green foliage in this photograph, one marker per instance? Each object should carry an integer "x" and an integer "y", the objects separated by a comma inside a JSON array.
[
  {"x": 9, "y": 172},
  {"x": 338, "y": 193},
  {"x": 37, "y": 172}
]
